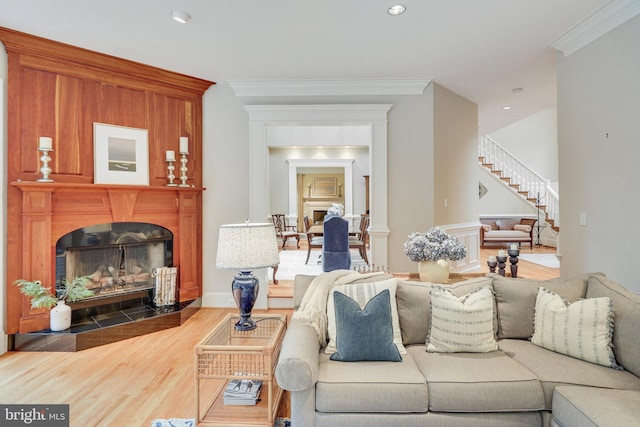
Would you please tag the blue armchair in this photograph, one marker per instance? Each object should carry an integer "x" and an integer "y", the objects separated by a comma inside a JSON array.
[{"x": 335, "y": 246}]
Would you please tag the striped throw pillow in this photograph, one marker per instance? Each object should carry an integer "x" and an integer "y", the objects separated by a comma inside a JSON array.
[
  {"x": 583, "y": 329},
  {"x": 461, "y": 324}
]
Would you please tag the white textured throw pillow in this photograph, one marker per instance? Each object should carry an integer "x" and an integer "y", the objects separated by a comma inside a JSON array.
[
  {"x": 583, "y": 329},
  {"x": 461, "y": 325},
  {"x": 362, "y": 293}
]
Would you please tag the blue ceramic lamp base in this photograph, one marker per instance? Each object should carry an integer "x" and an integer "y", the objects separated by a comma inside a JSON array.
[{"x": 245, "y": 288}]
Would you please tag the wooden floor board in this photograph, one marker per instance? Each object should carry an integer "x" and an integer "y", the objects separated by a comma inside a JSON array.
[{"x": 128, "y": 383}]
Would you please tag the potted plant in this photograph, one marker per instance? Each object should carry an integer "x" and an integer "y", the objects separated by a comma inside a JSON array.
[
  {"x": 41, "y": 297},
  {"x": 433, "y": 250}
]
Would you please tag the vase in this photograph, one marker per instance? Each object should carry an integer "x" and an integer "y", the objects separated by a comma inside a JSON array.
[
  {"x": 434, "y": 271},
  {"x": 60, "y": 317}
]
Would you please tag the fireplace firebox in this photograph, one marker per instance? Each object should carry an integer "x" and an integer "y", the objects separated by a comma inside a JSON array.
[{"x": 119, "y": 258}]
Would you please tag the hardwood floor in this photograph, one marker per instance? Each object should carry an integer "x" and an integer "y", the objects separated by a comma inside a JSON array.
[
  {"x": 526, "y": 269},
  {"x": 132, "y": 382},
  {"x": 128, "y": 383}
]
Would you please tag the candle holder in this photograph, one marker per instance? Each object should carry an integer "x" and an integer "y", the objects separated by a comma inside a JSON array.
[
  {"x": 45, "y": 169},
  {"x": 513, "y": 259},
  {"x": 183, "y": 169},
  {"x": 501, "y": 264},
  {"x": 492, "y": 266},
  {"x": 170, "y": 175}
]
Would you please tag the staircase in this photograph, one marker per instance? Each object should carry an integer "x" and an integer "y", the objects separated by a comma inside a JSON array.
[{"x": 521, "y": 179}]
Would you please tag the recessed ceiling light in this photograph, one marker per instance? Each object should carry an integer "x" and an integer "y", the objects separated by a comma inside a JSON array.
[
  {"x": 507, "y": 107},
  {"x": 180, "y": 16},
  {"x": 516, "y": 90},
  {"x": 397, "y": 9}
]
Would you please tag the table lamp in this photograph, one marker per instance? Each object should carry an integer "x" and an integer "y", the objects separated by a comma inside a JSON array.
[{"x": 246, "y": 247}]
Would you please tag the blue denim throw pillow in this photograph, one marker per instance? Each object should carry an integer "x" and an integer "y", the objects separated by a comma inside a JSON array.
[{"x": 364, "y": 334}]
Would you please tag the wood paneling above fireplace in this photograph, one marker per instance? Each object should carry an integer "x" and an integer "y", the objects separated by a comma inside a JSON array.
[{"x": 60, "y": 91}]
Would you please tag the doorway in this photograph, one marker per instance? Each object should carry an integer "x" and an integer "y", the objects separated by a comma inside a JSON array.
[{"x": 281, "y": 125}]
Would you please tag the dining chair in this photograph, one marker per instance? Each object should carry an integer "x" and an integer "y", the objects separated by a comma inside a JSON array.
[
  {"x": 360, "y": 242},
  {"x": 313, "y": 241},
  {"x": 285, "y": 231}
]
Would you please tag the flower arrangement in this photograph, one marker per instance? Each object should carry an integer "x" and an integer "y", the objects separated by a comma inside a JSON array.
[
  {"x": 336, "y": 209},
  {"x": 434, "y": 245}
]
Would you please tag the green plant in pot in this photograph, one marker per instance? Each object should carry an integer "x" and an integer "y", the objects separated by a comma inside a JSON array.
[{"x": 41, "y": 297}]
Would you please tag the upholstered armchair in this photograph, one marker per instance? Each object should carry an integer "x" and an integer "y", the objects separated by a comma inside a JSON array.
[{"x": 335, "y": 246}]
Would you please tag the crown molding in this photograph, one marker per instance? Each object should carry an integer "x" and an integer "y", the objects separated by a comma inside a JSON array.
[
  {"x": 596, "y": 25},
  {"x": 328, "y": 87}
]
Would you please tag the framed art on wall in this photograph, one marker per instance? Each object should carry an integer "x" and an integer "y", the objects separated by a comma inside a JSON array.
[
  {"x": 325, "y": 187},
  {"x": 121, "y": 155}
]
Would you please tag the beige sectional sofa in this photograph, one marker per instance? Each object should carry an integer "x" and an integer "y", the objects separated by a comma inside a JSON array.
[{"x": 520, "y": 384}]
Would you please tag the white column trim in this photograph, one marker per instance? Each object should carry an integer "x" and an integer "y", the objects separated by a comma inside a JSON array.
[{"x": 596, "y": 25}]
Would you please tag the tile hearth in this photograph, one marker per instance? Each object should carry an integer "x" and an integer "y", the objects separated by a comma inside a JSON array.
[{"x": 116, "y": 321}]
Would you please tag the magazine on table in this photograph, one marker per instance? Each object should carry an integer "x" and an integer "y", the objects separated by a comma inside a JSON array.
[{"x": 242, "y": 392}]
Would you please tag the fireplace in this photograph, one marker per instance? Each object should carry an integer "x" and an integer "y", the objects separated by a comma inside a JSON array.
[
  {"x": 119, "y": 258},
  {"x": 318, "y": 216},
  {"x": 118, "y": 235}
]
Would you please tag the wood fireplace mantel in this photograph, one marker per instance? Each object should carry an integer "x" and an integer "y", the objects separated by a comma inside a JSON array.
[
  {"x": 51, "y": 210},
  {"x": 61, "y": 91}
]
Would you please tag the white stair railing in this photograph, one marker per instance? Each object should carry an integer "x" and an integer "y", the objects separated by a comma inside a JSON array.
[{"x": 527, "y": 179}]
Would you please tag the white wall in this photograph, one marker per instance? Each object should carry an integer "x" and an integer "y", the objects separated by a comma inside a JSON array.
[
  {"x": 3, "y": 196},
  {"x": 599, "y": 149},
  {"x": 534, "y": 140},
  {"x": 226, "y": 179},
  {"x": 456, "y": 157},
  {"x": 499, "y": 199}
]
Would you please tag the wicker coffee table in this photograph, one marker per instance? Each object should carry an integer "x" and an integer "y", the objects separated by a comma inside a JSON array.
[{"x": 226, "y": 354}]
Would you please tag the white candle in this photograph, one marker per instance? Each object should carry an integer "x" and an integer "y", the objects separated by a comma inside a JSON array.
[
  {"x": 46, "y": 142},
  {"x": 514, "y": 246},
  {"x": 171, "y": 155},
  {"x": 184, "y": 144},
  {"x": 492, "y": 258},
  {"x": 501, "y": 253}
]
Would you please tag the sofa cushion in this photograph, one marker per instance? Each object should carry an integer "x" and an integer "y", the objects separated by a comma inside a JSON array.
[
  {"x": 516, "y": 299},
  {"x": 371, "y": 386},
  {"x": 364, "y": 333},
  {"x": 626, "y": 315},
  {"x": 490, "y": 222},
  {"x": 414, "y": 305},
  {"x": 582, "y": 329},
  {"x": 507, "y": 224},
  {"x": 362, "y": 293},
  {"x": 522, "y": 227},
  {"x": 477, "y": 382},
  {"x": 588, "y": 406},
  {"x": 461, "y": 324},
  {"x": 553, "y": 369},
  {"x": 505, "y": 235}
]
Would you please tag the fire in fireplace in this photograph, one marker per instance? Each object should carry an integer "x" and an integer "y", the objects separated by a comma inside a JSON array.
[{"x": 119, "y": 257}]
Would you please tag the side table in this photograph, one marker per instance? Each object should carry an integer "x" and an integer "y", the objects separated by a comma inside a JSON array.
[{"x": 226, "y": 354}]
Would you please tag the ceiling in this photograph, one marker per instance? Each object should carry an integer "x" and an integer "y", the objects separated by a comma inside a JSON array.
[{"x": 478, "y": 49}]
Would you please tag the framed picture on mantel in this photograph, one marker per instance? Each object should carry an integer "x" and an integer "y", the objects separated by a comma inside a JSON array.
[{"x": 121, "y": 155}]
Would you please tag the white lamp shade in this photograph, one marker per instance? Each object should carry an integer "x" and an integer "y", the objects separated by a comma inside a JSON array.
[{"x": 247, "y": 246}]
